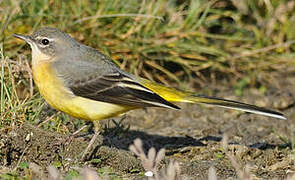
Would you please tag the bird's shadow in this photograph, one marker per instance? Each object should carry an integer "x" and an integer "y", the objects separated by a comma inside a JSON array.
[{"x": 121, "y": 137}]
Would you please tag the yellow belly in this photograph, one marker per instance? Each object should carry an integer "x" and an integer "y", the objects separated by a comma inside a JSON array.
[{"x": 60, "y": 98}]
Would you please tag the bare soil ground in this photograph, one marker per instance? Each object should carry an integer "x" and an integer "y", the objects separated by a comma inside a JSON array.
[{"x": 192, "y": 136}]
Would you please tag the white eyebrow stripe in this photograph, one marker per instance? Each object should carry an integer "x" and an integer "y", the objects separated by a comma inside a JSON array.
[{"x": 41, "y": 37}]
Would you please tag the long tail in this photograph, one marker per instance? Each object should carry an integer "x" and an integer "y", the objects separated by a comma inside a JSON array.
[
  {"x": 173, "y": 95},
  {"x": 234, "y": 105}
]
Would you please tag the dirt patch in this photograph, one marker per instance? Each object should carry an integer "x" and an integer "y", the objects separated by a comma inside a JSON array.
[{"x": 192, "y": 136}]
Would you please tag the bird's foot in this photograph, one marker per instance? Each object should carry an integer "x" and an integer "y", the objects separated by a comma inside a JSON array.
[{"x": 70, "y": 138}]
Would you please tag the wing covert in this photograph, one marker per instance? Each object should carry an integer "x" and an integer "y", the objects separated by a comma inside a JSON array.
[{"x": 118, "y": 88}]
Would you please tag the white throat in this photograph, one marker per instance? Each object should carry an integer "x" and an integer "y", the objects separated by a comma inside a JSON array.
[{"x": 37, "y": 55}]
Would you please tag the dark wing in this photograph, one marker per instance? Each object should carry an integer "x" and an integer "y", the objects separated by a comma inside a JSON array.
[{"x": 118, "y": 88}]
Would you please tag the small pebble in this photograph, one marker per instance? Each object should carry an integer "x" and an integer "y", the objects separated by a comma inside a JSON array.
[{"x": 149, "y": 174}]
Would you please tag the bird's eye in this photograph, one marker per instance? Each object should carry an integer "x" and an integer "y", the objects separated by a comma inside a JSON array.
[{"x": 45, "y": 41}]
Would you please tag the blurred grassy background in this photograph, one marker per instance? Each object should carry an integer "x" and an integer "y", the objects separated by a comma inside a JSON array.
[{"x": 177, "y": 42}]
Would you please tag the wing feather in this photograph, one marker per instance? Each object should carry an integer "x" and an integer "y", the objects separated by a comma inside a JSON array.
[{"x": 118, "y": 88}]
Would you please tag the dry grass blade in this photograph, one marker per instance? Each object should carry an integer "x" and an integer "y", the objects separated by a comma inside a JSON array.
[
  {"x": 290, "y": 176},
  {"x": 118, "y": 15},
  {"x": 152, "y": 156},
  {"x": 265, "y": 49},
  {"x": 172, "y": 171},
  {"x": 89, "y": 174},
  {"x": 243, "y": 174},
  {"x": 53, "y": 173},
  {"x": 212, "y": 173},
  {"x": 136, "y": 148},
  {"x": 151, "y": 162}
]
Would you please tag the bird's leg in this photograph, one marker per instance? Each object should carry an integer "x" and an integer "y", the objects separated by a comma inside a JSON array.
[
  {"x": 79, "y": 130},
  {"x": 72, "y": 136},
  {"x": 97, "y": 130}
]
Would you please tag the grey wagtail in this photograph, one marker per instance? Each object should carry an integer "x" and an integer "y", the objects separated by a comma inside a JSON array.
[{"x": 84, "y": 83}]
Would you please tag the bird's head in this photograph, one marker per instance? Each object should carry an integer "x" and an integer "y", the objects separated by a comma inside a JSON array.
[{"x": 48, "y": 43}]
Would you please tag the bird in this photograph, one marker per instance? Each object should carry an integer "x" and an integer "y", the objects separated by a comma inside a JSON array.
[{"x": 86, "y": 84}]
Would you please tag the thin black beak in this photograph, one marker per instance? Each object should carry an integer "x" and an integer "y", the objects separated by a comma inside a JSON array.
[{"x": 28, "y": 39}]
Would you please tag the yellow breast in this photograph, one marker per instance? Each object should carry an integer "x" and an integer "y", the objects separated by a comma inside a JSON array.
[{"x": 59, "y": 97}]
